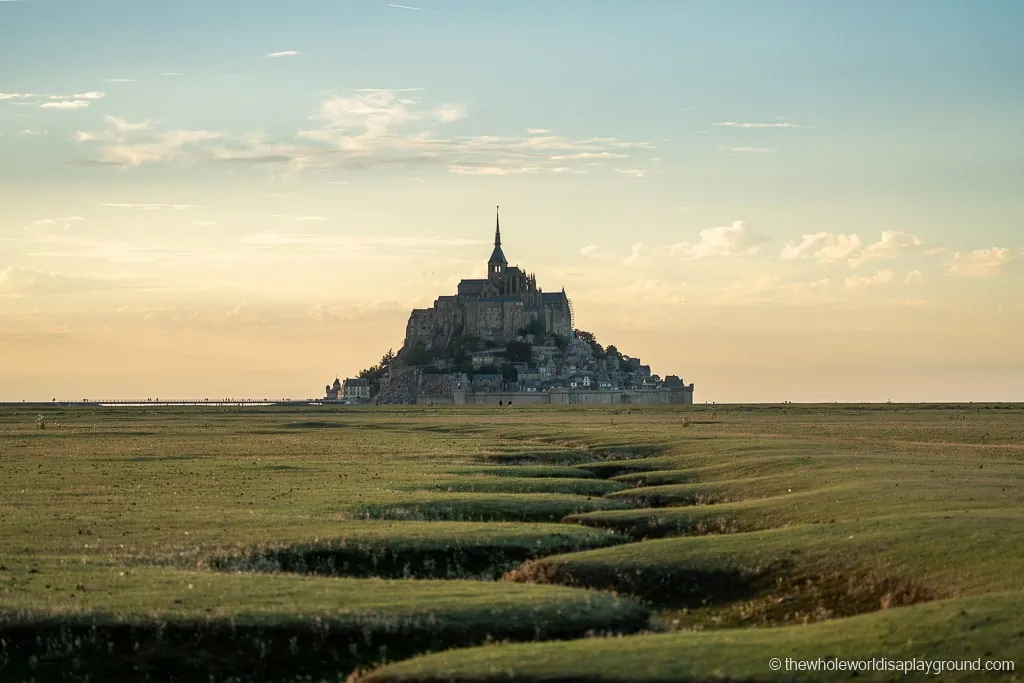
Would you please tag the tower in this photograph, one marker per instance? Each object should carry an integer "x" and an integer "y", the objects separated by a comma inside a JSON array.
[{"x": 497, "y": 263}]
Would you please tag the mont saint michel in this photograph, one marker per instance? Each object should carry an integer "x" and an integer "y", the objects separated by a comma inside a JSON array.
[{"x": 503, "y": 339}]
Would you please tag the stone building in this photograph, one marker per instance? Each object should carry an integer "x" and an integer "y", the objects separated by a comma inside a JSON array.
[
  {"x": 356, "y": 389},
  {"x": 495, "y": 309}
]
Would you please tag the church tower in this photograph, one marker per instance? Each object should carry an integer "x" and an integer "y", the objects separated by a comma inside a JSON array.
[{"x": 497, "y": 263}]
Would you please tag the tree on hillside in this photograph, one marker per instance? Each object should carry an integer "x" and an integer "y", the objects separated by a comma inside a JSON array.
[
  {"x": 375, "y": 373},
  {"x": 518, "y": 351},
  {"x": 589, "y": 339}
]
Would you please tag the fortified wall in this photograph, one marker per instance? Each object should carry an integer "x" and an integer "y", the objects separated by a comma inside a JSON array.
[{"x": 560, "y": 396}]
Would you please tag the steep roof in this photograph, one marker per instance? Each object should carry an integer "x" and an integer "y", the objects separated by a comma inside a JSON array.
[{"x": 497, "y": 256}]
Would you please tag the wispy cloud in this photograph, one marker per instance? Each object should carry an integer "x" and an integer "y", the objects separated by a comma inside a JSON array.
[
  {"x": 739, "y": 124},
  {"x": 635, "y": 172},
  {"x": 635, "y": 253},
  {"x": 537, "y": 131},
  {"x": 55, "y": 221},
  {"x": 28, "y": 281},
  {"x": 879, "y": 278},
  {"x": 725, "y": 240},
  {"x": 982, "y": 263},
  {"x": 588, "y": 155},
  {"x": 409, "y": 7},
  {"x": 165, "y": 146},
  {"x": 33, "y": 132},
  {"x": 748, "y": 150},
  {"x": 915, "y": 277},
  {"x": 120, "y": 80},
  {"x": 17, "y": 96},
  {"x": 171, "y": 73},
  {"x": 65, "y": 104},
  {"x": 590, "y": 250},
  {"x": 283, "y": 53},
  {"x": 826, "y": 248},
  {"x": 91, "y": 95},
  {"x": 369, "y": 129},
  {"x": 449, "y": 113}
]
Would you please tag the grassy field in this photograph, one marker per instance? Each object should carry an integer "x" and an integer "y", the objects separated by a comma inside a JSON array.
[{"x": 306, "y": 543}]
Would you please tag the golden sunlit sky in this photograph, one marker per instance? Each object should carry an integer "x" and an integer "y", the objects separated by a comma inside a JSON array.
[{"x": 776, "y": 200}]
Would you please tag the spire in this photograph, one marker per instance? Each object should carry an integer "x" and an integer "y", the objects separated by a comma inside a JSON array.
[
  {"x": 497, "y": 256},
  {"x": 497, "y": 227}
]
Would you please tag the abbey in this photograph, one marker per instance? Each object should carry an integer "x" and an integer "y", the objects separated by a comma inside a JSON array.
[{"x": 495, "y": 309}]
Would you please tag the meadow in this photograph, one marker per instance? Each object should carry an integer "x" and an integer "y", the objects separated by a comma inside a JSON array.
[{"x": 334, "y": 543}]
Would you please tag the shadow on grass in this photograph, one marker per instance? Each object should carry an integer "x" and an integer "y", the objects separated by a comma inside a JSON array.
[
  {"x": 107, "y": 649},
  {"x": 478, "y": 561}
]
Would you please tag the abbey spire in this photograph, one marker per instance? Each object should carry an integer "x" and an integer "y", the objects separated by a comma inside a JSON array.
[{"x": 497, "y": 264}]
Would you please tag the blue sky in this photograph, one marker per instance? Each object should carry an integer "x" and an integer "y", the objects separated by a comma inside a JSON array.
[{"x": 696, "y": 174}]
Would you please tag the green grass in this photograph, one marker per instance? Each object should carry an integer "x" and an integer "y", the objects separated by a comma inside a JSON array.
[
  {"x": 111, "y": 618},
  {"x": 425, "y": 550},
  {"x": 989, "y": 627},
  {"x": 751, "y": 510},
  {"x": 806, "y": 572},
  {"x": 505, "y": 484},
  {"x": 482, "y": 507}
]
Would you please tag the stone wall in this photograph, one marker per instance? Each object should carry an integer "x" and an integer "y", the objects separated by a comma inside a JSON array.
[{"x": 568, "y": 397}]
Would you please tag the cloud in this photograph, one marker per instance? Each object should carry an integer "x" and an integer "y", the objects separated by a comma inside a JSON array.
[
  {"x": 409, "y": 7},
  {"x": 167, "y": 146},
  {"x": 725, "y": 240},
  {"x": 590, "y": 250},
  {"x": 981, "y": 262},
  {"x": 55, "y": 221},
  {"x": 367, "y": 129},
  {"x": 283, "y": 53},
  {"x": 33, "y": 132},
  {"x": 881, "y": 277},
  {"x": 890, "y": 246},
  {"x": 91, "y": 95},
  {"x": 588, "y": 155},
  {"x": 915, "y": 277},
  {"x": 171, "y": 73},
  {"x": 120, "y": 80},
  {"x": 635, "y": 172},
  {"x": 737, "y": 124},
  {"x": 749, "y": 150},
  {"x": 537, "y": 131},
  {"x": 65, "y": 104},
  {"x": 635, "y": 253},
  {"x": 123, "y": 126},
  {"x": 825, "y": 247},
  {"x": 28, "y": 281},
  {"x": 449, "y": 113},
  {"x": 490, "y": 170}
]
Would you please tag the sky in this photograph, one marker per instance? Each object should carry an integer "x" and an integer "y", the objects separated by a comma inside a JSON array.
[{"x": 803, "y": 200}]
